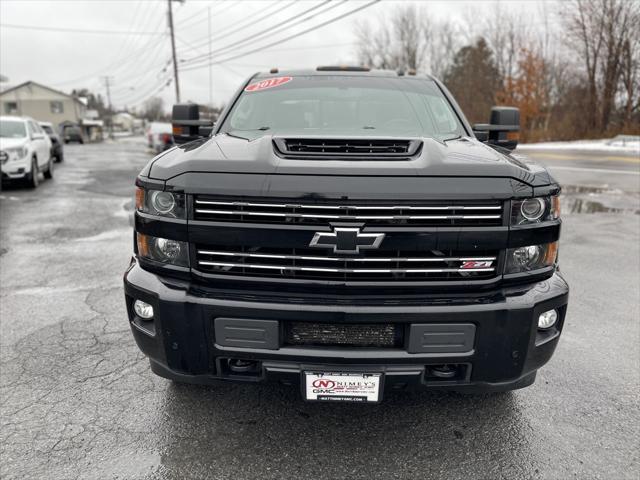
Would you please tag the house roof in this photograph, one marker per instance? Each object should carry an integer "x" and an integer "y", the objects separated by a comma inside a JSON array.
[{"x": 31, "y": 82}]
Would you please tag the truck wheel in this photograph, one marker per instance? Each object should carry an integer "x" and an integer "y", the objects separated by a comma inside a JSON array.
[
  {"x": 48, "y": 173},
  {"x": 32, "y": 178}
]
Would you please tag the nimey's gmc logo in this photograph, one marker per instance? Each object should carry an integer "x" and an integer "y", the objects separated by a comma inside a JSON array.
[
  {"x": 346, "y": 240},
  {"x": 320, "y": 383}
]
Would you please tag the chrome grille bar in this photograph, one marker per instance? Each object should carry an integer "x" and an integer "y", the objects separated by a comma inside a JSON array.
[
  {"x": 345, "y": 270},
  {"x": 356, "y": 217},
  {"x": 342, "y": 259},
  {"x": 351, "y": 207},
  {"x": 319, "y": 212}
]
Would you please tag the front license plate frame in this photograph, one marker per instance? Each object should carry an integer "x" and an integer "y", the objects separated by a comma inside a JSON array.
[{"x": 355, "y": 387}]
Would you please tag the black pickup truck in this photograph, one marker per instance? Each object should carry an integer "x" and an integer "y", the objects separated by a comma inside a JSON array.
[{"x": 348, "y": 232}]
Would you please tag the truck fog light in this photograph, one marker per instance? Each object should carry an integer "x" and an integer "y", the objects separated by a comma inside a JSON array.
[
  {"x": 143, "y": 310},
  {"x": 525, "y": 257},
  {"x": 170, "y": 249},
  {"x": 547, "y": 319},
  {"x": 163, "y": 202}
]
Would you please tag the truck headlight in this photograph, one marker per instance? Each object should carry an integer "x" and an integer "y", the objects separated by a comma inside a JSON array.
[
  {"x": 159, "y": 202},
  {"x": 164, "y": 250},
  {"x": 531, "y": 257},
  {"x": 535, "y": 210}
]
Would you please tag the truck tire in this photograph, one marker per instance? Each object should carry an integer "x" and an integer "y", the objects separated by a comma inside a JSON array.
[
  {"x": 32, "y": 178},
  {"x": 48, "y": 173}
]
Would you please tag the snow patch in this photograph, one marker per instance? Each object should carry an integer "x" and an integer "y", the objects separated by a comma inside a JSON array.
[{"x": 621, "y": 143}]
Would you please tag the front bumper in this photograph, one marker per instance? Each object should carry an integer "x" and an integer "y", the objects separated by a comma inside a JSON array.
[
  {"x": 16, "y": 169},
  {"x": 505, "y": 353}
]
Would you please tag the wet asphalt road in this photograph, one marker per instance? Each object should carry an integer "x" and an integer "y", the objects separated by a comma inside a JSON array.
[{"x": 78, "y": 399}]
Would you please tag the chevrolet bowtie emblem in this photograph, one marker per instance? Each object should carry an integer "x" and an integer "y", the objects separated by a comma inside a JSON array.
[{"x": 347, "y": 240}]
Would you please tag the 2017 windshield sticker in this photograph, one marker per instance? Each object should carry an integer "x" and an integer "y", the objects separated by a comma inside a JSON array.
[{"x": 268, "y": 83}]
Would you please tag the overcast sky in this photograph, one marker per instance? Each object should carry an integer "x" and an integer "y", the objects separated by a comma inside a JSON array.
[{"x": 138, "y": 63}]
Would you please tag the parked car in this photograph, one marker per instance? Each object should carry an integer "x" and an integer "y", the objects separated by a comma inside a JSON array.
[
  {"x": 159, "y": 136},
  {"x": 347, "y": 231},
  {"x": 72, "y": 133},
  {"x": 56, "y": 145},
  {"x": 25, "y": 150}
]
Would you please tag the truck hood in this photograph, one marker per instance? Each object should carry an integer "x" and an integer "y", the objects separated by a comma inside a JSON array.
[
  {"x": 13, "y": 142},
  {"x": 463, "y": 157},
  {"x": 456, "y": 169}
]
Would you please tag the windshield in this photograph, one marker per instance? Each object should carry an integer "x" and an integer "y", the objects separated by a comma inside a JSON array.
[
  {"x": 47, "y": 128},
  {"x": 344, "y": 105},
  {"x": 12, "y": 129}
]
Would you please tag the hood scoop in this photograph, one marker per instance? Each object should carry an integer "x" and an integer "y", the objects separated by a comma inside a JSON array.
[{"x": 346, "y": 148}]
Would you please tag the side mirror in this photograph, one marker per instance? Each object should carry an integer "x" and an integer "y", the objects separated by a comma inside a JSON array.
[
  {"x": 503, "y": 128},
  {"x": 186, "y": 124}
]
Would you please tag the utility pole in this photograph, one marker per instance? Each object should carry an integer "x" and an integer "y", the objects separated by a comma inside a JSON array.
[
  {"x": 173, "y": 50},
  {"x": 107, "y": 83},
  {"x": 210, "y": 64}
]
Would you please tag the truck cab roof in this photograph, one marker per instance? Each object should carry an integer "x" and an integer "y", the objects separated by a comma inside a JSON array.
[{"x": 343, "y": 70}]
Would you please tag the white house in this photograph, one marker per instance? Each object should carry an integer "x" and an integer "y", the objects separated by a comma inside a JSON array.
[
  {"x": 42, "y": 103},
  {"x": 46, "y": 104}
]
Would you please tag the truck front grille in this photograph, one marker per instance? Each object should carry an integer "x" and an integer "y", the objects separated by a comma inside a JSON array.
[
  {"x": 209, "y": 208},
  {"x": 376, "y": 335},
  {"x": 376, "y": 265}
]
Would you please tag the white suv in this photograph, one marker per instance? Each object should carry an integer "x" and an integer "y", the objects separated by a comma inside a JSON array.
[{"x": 25, "y": 150}]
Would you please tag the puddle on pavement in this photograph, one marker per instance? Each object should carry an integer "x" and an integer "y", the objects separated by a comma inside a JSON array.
[{"x": 591, "y": 199}]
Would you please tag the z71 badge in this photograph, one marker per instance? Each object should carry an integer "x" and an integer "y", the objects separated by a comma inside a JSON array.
[{"x": 475, "y": 264}]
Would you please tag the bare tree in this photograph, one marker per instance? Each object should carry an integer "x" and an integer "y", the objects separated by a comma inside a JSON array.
[
  {"x": 506, "y": 32},
  {"x": 621, "y": 24},
  {"x": 374, "y": 46},
  {"x": 585, "y": 34},
  {"x": 442, "y": 40},
  {"x": 411, "y": 29},
  {"x": 598, "y": 31},
  {"x": 577, "y": 81},
  {"x": 398, "y": 44},
  {"x": 630, "y": 80}
]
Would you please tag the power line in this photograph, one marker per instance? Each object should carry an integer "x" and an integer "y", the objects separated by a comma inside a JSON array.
[
  {"x": 274, "y": 29},
  {"x": 135, "y": 83},
  {"x": 117, "y": 64},
  {"x": 151, "y": 93},
  {"x": 151, "y": 68},
  {"x": 165, "y": 81},
  {"x": 134, "y": 18},
  {"x": 75, "y": 30},
  {"x": 286, "y": 39},
  {"x": 244, "y": 25},
  {"x": 162, "y": 79},
  {"x": 150, "y": 51},
  {"x": 222, "y": 10}
]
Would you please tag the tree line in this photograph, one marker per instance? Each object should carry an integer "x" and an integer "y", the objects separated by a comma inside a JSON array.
[{"x": 574, "y": 71}]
